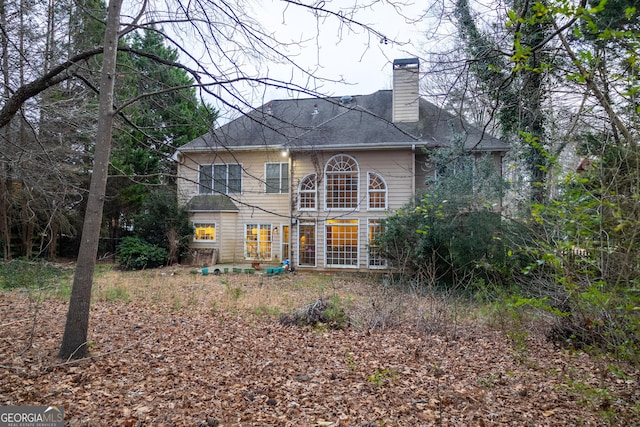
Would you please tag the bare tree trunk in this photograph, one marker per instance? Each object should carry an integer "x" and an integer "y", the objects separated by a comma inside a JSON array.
[
  {"x": 27, "y": 217},
  {"x": 54, "y": 229},
  {"x": 28, "y": 226},
  {"x": 5, "y": 232},
  {"x": 5, "y": 235},
  {"x": 74, "y": 340}
]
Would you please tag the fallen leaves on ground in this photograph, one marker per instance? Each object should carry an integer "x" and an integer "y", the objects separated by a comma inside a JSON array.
[{"x": 157, "y": 366}]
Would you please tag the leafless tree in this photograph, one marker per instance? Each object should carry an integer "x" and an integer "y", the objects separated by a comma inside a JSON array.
[{"x": 227, "y": 69}]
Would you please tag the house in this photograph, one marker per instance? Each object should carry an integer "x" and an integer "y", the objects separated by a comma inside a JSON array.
[{"x": 309, "y": 180}]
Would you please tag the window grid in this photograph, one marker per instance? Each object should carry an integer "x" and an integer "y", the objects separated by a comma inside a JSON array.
[
  {"x": 308, "y": 193},
  {"x": 377, "y": 192},
  {"x": 220, "y": 178},
  {"x": 307, "y": 247},
  {"x": 258, "y": 241},
  {"x": 375, "y": 258},
  {"x": 204, "y": 232},
  {"x": 342, "y": 183},
  {"x": 277, "y": 178},
  {"x": 284, "y": 242},
  {"x": 342, "y": 242}
]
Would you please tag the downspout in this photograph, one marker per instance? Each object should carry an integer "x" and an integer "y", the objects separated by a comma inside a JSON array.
[
  {"x": 413, "y": 169},
  {"x": 291, "y": 231}
]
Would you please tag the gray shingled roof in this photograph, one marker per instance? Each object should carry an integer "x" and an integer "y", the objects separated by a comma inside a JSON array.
[
  {"x": 211, "y": 203},
  {"x": 350, "y": 122}
]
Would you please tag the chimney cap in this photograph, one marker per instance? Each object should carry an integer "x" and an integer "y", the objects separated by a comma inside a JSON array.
[{"x": 401, "y": 63}]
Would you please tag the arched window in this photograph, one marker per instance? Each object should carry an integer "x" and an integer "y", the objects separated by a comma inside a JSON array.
[
  {"x": 341, "y": 187},
  {"x": 377, "y": 195},
  {"x": 308, "y": 193}
]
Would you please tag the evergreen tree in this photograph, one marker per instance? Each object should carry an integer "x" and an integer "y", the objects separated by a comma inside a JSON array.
[{"x": 166, "y": 115}]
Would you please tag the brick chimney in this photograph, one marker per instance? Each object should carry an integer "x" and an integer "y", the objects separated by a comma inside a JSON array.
[{"x": 405, "y": 90}]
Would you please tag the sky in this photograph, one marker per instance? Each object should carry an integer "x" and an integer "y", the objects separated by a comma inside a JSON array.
[
  {"x": 352, "y": 54},
  {"x": 351, "y": 61},
  {"x": 346, "y": 59}
]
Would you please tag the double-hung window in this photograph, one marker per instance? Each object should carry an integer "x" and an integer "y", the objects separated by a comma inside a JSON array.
[
  {"x": 220, "y": 178},
  {"x": 277, "y": 178}
]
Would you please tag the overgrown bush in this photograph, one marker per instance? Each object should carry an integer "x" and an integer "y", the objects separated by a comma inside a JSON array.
[
  {"x": 586, "y": 251},
  {"x": 454, "y": 233},
  {"x": 135, "y": 254}
]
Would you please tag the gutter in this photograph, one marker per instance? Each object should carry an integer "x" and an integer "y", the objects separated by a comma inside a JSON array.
[{"x": 333, "y": 147}]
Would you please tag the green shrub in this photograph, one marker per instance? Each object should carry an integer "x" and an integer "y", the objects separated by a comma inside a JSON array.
[
  {"x": 454, "y": 230},
  {"x": 585, "y": 257},
  {"x": 136, "y": 254}
]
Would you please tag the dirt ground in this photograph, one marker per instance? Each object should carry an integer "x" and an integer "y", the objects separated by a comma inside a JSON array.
[{"x": 172, "y": 347}]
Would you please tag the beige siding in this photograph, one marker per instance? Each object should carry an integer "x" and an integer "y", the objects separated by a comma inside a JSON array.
[
  {"x": 187, "y": 182},
  {"x": 395, "y": 167},
  {"x": 425, "y": 171},
  {"x": 226, "y": 239},
  {"x": 403, "y": 171},
  {"x": 255, "y": 206},
  {"x": 405, "y": 95}
]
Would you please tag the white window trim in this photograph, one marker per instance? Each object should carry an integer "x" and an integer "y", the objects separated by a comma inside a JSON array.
[
  {"x": 280, "y": 180},
  {"x": 314, "y": 178},
  {"x": 385, "y": 191},
  {"x": 326, "y": 186},
  {"x": 324, "y": 242},
  {"x": 315, "y": 237},
  {"x": 259, "y": 256},
  {"x": 213, "y": 165},
  {"x": 369, "y": 266},
  {"x": 193, "y": 223}
]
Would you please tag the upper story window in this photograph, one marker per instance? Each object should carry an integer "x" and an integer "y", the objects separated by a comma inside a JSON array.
[
  {"x": 308, "y": 193},
  {"x": 377, "y": 192},
  {"x": 277, "y": 178},
  {"x": 220, "y": 178},
  {"x": 341, "y": 188}
]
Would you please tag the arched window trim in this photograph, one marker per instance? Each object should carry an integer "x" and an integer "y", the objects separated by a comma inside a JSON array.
[
  {"x": 312, "y": 193},
  {"x": 371, "y": 176},
  {"x": 346, "y": 194}
]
